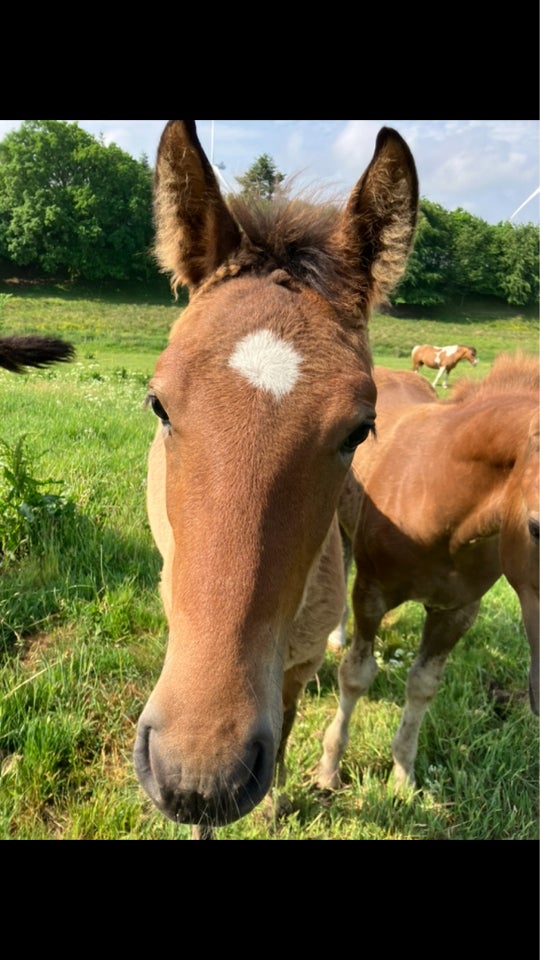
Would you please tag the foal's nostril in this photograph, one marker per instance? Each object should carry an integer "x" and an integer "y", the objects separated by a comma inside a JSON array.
[
  {"x": 141, "y": 755},
  {"x": 260, "y": 763},
  {"x": 195, "y": 789},
  {"x": 534, "y": 529},
  {"x": 142, "y": 762}
]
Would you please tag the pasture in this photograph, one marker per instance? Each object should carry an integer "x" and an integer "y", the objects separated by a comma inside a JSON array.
[{"x": 82, "y": 630}]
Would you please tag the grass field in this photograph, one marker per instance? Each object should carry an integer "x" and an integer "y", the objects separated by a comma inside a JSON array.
[{"x": 82, "y": 632}]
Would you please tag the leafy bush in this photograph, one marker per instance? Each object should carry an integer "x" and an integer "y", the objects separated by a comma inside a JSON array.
[{"x": 25, "y": 506}]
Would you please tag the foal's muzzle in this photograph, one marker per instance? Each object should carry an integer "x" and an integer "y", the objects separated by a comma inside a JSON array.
[{"x": 194, "y": 791}]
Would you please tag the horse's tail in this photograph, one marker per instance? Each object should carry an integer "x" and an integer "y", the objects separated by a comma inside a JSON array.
[{"x": 16, "y": 353}]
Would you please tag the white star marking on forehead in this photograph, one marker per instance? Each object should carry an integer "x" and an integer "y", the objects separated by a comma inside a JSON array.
[{"x": 267, "y": 362}]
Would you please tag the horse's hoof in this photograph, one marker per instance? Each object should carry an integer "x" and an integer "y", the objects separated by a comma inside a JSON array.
[
  {"x": 202, "y": 833},
  {"x": 328, "y": 783}
]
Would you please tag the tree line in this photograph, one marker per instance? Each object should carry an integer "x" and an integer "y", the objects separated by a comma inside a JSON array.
[{"x": 72, "y": 206}]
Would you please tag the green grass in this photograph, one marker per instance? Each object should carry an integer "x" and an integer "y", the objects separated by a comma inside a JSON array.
[{"x": 82, "y": 631}]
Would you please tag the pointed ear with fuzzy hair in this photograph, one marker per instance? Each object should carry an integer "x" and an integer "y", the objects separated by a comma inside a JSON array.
[
  {"x": 195, "y": 231},
  {"x": 378, "y": 224}
]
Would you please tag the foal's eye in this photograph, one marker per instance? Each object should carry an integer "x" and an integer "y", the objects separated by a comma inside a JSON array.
[
  {"x": 158, "y": 409},
  {"x": 357, "y": 437}
]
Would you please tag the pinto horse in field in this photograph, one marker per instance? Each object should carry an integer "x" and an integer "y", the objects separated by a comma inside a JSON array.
[
  {"x": 17, "y": 353},
  {"x": 443, "y": 359},
  {"x": 262, "y": 395},
  {"x": 441, "y": 504}
]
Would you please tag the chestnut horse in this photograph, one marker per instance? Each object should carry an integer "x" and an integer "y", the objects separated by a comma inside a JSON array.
[
  {"x": 438, "y": 507},
  {"x": 443, "y": 359},
  {"x": 395, "y": 389},
  {"x": 19, "y": 352},
  {"x": 262, "y": 395}
]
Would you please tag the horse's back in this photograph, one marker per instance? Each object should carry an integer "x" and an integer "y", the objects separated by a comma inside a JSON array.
[{"x": 397, "y": 389}]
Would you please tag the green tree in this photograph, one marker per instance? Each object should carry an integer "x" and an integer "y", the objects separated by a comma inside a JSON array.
[
  {"x": 473, "y": 270},
  {"x": 72, "y": 206},
  {"x": 516, "y": 258},
  {"x": 261, "y": 180},
  {"x": 427, "y": 278},
  {"x": 458, "y": 255}
]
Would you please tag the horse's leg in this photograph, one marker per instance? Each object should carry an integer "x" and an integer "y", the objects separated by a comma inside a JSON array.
[
  {"x": 528, "y": 599},
  {"x": 442, "y": 630},
  {"x": 292, "y": 688},
  {"x": 338, "y": 638},
  {"x": 357, "y": 672},
  {"x": 293, "y": 684},
  {"x": 439, "y": 375}
]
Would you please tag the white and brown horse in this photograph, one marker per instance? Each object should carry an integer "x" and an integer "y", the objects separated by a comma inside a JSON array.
[
  {"x": 19, "y": 352},
  {"x": 443, "y": 359},
  {"x": 441, "y": 504},
  {"x": 262, "y": 395}
]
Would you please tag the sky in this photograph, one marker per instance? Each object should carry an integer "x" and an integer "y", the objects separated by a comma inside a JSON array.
[{"x": 490, "y": 168}]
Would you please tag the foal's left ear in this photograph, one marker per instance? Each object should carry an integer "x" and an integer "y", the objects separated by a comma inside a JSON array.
[
  {"x": 378, "y": 224},
  {"x": 195, "y": 232}
]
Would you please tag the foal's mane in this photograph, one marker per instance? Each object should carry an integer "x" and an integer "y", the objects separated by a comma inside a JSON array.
[
  {"x": 298, "y": 235},
  {"x": 510, "y": 373}
]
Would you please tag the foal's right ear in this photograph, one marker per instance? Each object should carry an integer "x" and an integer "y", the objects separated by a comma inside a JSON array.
[{"x": 195, "y": 232}]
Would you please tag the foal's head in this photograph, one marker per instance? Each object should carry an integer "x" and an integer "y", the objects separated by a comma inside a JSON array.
[{"x": 262, "y": 394}]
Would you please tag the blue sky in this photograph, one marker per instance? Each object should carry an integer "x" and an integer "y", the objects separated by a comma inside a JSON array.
[{"x": 488, "y": 167}]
